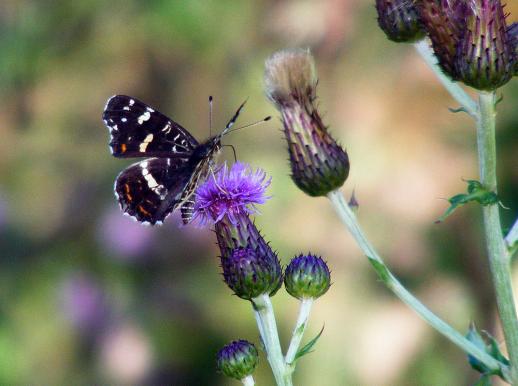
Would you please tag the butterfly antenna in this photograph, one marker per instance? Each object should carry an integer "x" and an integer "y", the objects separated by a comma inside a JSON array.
[
  {"x": 234, "y": 118},
  {"x": 266, "y": 119},
  {"x": 233, "y": 150},
  {"x": 210, "y": 116}
]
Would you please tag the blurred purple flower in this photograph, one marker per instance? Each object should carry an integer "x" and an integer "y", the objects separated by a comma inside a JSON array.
[
  {"x": 124, "y": 237},
  {"x": 84, "y": 303},
  {"x": 230, "y": 193}
]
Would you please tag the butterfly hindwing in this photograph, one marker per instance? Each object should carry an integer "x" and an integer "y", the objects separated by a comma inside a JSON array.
[
  {"x": 151, "y": 189},
  {"x": 138, "y": 130}
]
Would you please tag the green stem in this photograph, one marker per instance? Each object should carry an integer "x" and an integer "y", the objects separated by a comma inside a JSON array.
[
  {"x": 499, "y": 257},
  {"x": 456, "y": 91},
  {"x": 298, "y": 331},
  {"x": 349, "y": 219},
  {"x": 268, "y": 329},
  {"x": 248, "y": 381}
]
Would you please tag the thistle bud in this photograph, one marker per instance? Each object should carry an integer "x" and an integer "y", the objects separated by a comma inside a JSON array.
[
  {"x": 238, "y": 359},
  {"x": 486, "y": 54},
  {"x": 513, "y": 33},
  {"x": 399, "y": 20},
  {"x": 318, "y": 164},
  {"x": 444, "y": 22},
  {"x": 307, "y": 276},
  {"x": 249, "y": 274}
]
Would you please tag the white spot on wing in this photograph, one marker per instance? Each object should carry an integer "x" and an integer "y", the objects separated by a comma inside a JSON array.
[
  {"x": 126, "y": 108},
  {"x": 124, "y": 119},
  {"x": 144, "y": 117},
  {"x": 167, "y": 128},
  {"x": 143, "y": 146},
  {"x": 150, "y": 109},
  {"x": 132, "y": 102}
]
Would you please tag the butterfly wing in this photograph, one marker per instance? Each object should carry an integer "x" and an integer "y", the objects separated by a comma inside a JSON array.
[
  {"x": 151, "y": 189},
  {"x": 138, "y": 130}
]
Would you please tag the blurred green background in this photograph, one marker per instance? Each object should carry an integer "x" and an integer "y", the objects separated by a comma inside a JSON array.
[{"x": 89, "y": 297}]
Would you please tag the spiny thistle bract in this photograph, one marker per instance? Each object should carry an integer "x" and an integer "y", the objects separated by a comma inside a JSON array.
[
  {"x": 250, "y": 274},
  {"x": 318, "y": 164},
  {"x": 399, "y": 20},
  {"x": 307, "y": 276},
  {"x": 238, "y": 359},
  {"x": 471, "y": 40}
]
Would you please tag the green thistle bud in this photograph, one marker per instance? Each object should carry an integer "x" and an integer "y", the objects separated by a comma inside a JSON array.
[
  {"x": 238, "y": 359},
  {"x": 399, "y": 20},
  {"x": 250, "y": 274},
  {"x": 486, "y": 55},
  {"x": 307, "y": 276},
  {"x": 318, "y": 164}
]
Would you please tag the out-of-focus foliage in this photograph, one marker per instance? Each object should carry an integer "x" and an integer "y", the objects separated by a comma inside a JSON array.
[{"x": 89, "y": 297}]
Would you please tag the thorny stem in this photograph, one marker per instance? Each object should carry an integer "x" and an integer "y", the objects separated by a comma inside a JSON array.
[
  {"x": 298, "y": 331},
  {"x": 265, "y": 317},
  {"x": 349, "y": 219},
  {"x": 499, "y": 256}
]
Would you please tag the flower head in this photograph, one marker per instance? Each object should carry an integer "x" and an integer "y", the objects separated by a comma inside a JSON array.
[
  {"x": 444, "y": 23},
  {"x": 238, "y": 359},
  {"x": 486, "y": 54},
  {"x": 318, "y": 164},
  {"x": 230, "y": 193},
  {"x": 307, "y": 276},
  {"x": 399, "y": 20},
  {"x": 513, "y": 33},
  {"x": 250, "y": 274},
  {"x": 471, "y": 40}
]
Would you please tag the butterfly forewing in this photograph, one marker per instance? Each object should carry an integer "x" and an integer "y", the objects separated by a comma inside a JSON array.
[
  {"x": 151, "y": 189},
  {"x": 138, "y": 130}
]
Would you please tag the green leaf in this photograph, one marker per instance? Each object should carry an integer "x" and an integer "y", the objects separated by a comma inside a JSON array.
[
  {"x": 475, "y": 192},
  {"x": 492, "y": 349},
  {"x": 308, "y": 347},
  {"x": 380, "y": 268},
  {"x": 474, "y": 337}
]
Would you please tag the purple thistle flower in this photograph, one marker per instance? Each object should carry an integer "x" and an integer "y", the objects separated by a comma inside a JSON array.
[
  {"x": 230, "y": 193},
  {"x": 226, "y": 200}
]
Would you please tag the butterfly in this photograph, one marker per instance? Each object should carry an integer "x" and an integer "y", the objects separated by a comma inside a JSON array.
[{"x": 174, "y": 165}]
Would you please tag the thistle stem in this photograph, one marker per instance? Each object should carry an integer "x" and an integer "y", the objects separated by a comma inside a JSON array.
[
  {"x": 268, "y": 329},
  {"x": 349, "y": 219},
  {"x": 248, "y": 381},
  {"x": 456, "y": 91},
  {"x": 499, "y": 257},
  {"x": 298, "y": 331}
]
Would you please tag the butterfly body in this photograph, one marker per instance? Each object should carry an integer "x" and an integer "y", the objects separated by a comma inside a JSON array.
[{"x": 174, "y": 162}]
